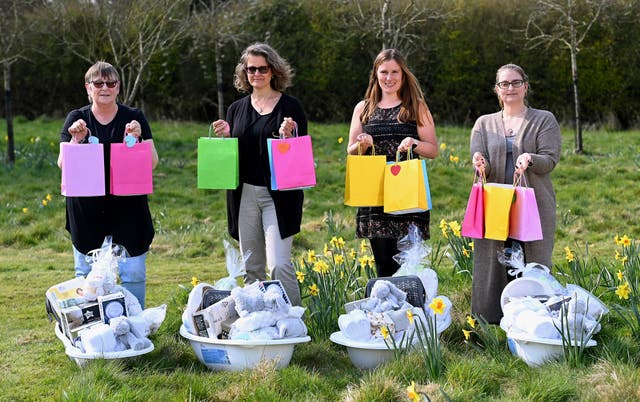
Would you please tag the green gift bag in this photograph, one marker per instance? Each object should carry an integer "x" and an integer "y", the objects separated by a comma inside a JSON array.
[{"x": 217, "y": 163}]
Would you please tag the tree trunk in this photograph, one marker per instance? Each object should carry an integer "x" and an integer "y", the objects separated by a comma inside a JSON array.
[
  {"x": 576, "y": 100},
  {"x": 219, "y": 83},
  {"x": 11, "y": 154}
]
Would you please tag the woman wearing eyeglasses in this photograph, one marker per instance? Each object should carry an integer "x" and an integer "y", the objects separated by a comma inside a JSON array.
[
  {"x": 264, "y": 221},
  {"x": 516, "y": 140},
  {"x": 126, "y": 218}
]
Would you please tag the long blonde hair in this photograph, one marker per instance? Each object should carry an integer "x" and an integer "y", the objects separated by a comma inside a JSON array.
[{"x": 410, "y": 92}]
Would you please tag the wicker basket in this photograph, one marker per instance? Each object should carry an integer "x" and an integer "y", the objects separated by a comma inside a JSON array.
[{"x": 409, "y": 284}]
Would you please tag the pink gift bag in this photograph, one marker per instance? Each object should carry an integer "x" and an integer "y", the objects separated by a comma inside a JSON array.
[
  {"x": 131, "y": 169},
  {"x": 82, "y": 170},
  {"x": 473, "y": 222},
  {"x": 524, "y": 218},
  {"x": 291, "y": 162}
]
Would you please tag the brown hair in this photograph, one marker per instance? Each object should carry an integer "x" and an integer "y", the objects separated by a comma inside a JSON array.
[
  {"x": 410, "y": 92},
  {"x": 280, "y": 68}
]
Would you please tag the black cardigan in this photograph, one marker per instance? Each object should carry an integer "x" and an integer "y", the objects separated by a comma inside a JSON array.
[{"x": 288, "y": 204}]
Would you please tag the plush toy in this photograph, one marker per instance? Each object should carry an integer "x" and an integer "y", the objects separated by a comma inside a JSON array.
[
  {"x": 388, "y": 294},
  {"x": 274, "y": 300},
  {"x": 291, "y": 327},
  {"x": 125, "y": 337},
  {"x": 248, "y": 299}
]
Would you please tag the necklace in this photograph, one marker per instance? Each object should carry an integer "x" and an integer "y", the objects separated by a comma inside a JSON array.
[
  {"x": 511, "y": 123},
  {"x": 261, "y": 106}
]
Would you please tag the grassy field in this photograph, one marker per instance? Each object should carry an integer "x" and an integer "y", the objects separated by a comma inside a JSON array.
[{"x": 597, "y": 199}]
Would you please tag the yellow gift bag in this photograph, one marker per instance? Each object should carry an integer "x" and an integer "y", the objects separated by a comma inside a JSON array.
[
  {"x": 406, "y": 186},
  {"x": 364, "y": 180},
  {"x": 497, "y": 205}
]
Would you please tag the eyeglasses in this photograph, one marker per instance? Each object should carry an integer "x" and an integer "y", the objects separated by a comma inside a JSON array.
[
  {"x": 99, "y": 84},
  {"x": 514, "y": 83},
  {"x": 261, "y": 69}
]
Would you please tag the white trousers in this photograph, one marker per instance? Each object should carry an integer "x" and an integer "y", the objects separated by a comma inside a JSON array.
[{"x": 260, "y": 235}]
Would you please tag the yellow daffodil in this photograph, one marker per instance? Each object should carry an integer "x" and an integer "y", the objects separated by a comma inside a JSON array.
[
  {"x": 194, "y": 281},
  {"x": 623, "y": 291},
  {"x": 412, "y": 394},
  {"x": 455, "y": 228},
  {"x": 338, "y": 259},
  {"x": 443, "y": 224},
  {"x": 437, "y": 305},
  {"x": 465, "y": 252},
  {"x": 311, "y": 256},
  {"x": 340, "y": 140},
  {"x": 313, "y": 290},
  {"x": 363, "y": 246},
  {"x": 471, "y": 321},
  {"x": 300, "y": 276},
  {"x": 410, "y": 316},
  {"x": 620, "y": 275},
  {"x": 384, "y": 331},
  {"x": 32, "y": 140},
  {"x": 617, "y": 256},
  {"x": 443, "y": 146},
  {"x": 341, "y": 274},
  {"x": 467, "y": 334},
  {"x": 624, "y": 260},
  {"x": 616, "y": 239},
  {"x": 25, "y": 210},
  {"x": 352, "y": 253},
  {"x": 569, "y": 255},
  {"x": 625, "y": 241},
  {"x": 454, "y": 159},
  {"x": 321, "y": 267},
  {"x": 44, "y": 203},
  {"x": 326, "y": 250},
  {"x": 48, "y": 197},
  {"x": 471, "y": 245}
]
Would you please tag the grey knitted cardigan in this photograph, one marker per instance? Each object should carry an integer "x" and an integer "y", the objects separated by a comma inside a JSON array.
[{"x": 539, "y": 136}]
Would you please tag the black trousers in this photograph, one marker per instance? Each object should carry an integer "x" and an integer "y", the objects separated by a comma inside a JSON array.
[{"x": 383, "y": 252}]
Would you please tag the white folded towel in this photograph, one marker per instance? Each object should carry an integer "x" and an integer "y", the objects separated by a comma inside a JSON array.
[
  {"x": 355, "y": 325},
  {"x": 98, "y": 339}
]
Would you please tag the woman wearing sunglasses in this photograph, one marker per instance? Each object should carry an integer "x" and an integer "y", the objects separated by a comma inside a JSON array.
[
  {"x": 516, "y": 140},
  {"x": 263, "y": 220},
  {"x": 127, "y": 219}
]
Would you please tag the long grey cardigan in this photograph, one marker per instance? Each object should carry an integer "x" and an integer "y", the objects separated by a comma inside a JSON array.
[{"x": 539, "y": 136}]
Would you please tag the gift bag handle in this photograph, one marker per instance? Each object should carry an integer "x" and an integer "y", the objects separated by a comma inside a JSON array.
[
  {"x": 479, "y": 177},
  {"x": 294, "y": 132},
  {"x": 409, "y": 155},
  {"x": 518, "y": 179},
  {"x": 373, "y": 149}
]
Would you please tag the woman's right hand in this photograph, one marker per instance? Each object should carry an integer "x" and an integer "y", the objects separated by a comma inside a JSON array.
[
  {"x": 478, "y": 162},
  {"x": 365, "y": 140},
  {"x": 221, "y": 128},
  {"x": 78, "y": 131}
]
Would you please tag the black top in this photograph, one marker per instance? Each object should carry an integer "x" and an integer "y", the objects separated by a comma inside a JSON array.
[
  {"x": 253, "y": 155},
  {"x": 126, "y": 218}
]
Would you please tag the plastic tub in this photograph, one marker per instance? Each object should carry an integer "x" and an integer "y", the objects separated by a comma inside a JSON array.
[
  {"x": 81, "y": 358},
  {"x": 235, "y": 355},
  {"x": 368, "y": 355},
  {"x": 537, "y": 351}
]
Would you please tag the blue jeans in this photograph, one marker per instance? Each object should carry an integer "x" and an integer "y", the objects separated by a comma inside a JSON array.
[{"x": 132, "y": 272}]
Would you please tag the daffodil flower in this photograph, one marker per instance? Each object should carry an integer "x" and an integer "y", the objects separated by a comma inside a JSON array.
[
  {"x": 25, "y": 210},
  {"x": 569, "y": 255},
  {"x": 194, "y": 281},
  {"x": 625, "y": 241},
  {"x": 467, "y": 334},
  {"x": 338, "y": 259},
  {"x": 412, "y": 393},
  {"x": 313, "y": 290},
  {"x": 363, "y": 246},
  {"x": 300, "y": 276},
  {"x": 410, "y": 316},
  {"x": 471, "y": 321},
  {"x": 311, "y": 256},
  {"x": 620, "y": 275},
  {"x": 340, "y": 140},
  {"x": 437, "y": 305},
  {"x": 48, "y": 197},
  {"x": 384, "y": 331},
  {"x": 623, "y": 291}
]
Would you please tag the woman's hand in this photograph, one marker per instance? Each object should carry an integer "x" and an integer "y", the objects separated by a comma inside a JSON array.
[
  {"x": 522, "y": 163},
  {"x": 364, "y": 141},
  {"x": 287, "y": 127},
  {"x": 221, "y": 128},
  {"x": 78, "y": 131},
  {"x": 133, "y": 128},
  {"x": 407, "y": 144},
  {"x": 478, "y": 162}
]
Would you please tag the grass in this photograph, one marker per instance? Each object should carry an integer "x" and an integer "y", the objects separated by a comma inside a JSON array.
[{"x": 597, "y": 195}]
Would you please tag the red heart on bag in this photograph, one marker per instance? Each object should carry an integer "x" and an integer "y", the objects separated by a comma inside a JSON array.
[
  {"x": 395, "y": 169},
  {"x": 283, "y": 147}
]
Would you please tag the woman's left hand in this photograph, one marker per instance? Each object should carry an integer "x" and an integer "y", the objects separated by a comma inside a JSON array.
[
  {"x": 407, "y": 144},
  {"x": 522, "y": 163},
  {"x": 133, "y": 128},
  {"x": 287, "y": 127}
]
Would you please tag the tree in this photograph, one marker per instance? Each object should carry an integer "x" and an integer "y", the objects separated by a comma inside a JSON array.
[
  {"x": 128, "y": 33},
  {"x": 567, "y": 22},
  {"x": 13, "y": 28},
  {"x": 219, "y": 22}
]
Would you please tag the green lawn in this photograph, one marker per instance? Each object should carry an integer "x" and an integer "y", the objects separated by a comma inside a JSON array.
[{"x": 597, "y": 199}]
